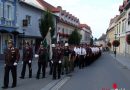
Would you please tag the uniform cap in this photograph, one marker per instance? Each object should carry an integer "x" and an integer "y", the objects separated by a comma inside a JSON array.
[
  {"x": 66, "y": 44},
  {"x": 10, "y": 41}
]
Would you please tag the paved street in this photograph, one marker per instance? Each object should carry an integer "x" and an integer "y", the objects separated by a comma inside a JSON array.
[{"x": 101, "y": 74}]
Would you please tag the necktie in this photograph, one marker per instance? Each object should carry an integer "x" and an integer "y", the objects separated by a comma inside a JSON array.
[{"x": 81, "y": 51}]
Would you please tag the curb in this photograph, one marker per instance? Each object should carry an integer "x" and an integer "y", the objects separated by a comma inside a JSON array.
[{"x": 124, "y": 65}]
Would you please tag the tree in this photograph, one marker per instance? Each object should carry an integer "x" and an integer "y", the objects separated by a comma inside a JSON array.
[
  {"x": 91, "y": 41},
  {"x": 75, "y": 37},
  {"x": 95, "y": 39},
  {"x": 46, "y": 22}
]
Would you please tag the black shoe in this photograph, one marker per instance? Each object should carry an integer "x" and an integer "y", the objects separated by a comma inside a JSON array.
[
  {"x": 58, "y": 77},
  {"x": 62, "y": 73},
  {"x": 37, "y": 77},
  {"x": 13, "y": 86},
  {"x": 4, "y": 87},
  {"x": 30, "y": 76},
  {"x": 21, "y": 77},
  {"x": 54, "y": 78},
  {"x": 43, "y": 77}
]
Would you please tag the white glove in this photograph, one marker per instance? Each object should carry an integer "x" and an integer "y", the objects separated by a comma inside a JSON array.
[
  {"x": 51, "y": 61},
  {"x": 36, "y": 55},
  {"x": 15, "y": 64},
  {"x": 22, "y": 62},
  {"x": 60, "y": 61},
  {"x": 30, "y": 61},
  {"x": 4, "y": 65}
]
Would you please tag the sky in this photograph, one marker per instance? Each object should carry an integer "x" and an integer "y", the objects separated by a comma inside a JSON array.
[{"x": 95, "y": 13}]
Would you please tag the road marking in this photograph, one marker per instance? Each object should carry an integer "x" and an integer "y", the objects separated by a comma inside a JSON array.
[
  {"x": 60, "y": 84},
  {"x": 50, "y": 85},
  {"x": 56, "y": 84}
]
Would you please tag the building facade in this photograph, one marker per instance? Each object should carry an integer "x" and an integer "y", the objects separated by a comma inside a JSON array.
[
  {"x": 31, "y": 14},
  {"x": 121, "y": 28},
  {"x": 66, "y": 23},
  {"x": 111, "y": 31},
  {"x": 7, "y": 22},
  {"x": 86, "y": 33}
]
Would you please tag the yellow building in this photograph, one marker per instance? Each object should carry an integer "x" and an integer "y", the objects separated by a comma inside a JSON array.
[
  {"x": 120, "y": 32},
  {"x": 111, "y": 31}
]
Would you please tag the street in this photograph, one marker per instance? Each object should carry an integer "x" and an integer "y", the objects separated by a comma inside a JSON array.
[{"x": 101, "y": 75}]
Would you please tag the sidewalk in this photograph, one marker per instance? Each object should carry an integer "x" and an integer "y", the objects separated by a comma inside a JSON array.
[{"x": 124, "y": 60}]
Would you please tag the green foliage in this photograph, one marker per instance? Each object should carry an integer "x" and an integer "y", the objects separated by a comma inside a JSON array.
[
  {"x": 91, "y": 41},
  {"x": 75, "y": 37},
  {"x": 46, "y": 22}
]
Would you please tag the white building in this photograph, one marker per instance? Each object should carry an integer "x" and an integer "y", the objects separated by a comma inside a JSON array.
[{"x": 86, "y": 33}]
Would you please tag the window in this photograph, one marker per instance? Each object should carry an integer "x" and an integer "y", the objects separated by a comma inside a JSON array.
[
  {"x": 28, "y": 19},
  {"x": 8, "y": 11},
  {"x": 129, "y": 18},
  {"x": 63, "y": 31},
  {"x": 1, "y": 11},
  {"x": 123, "y": 26},
  {"x": 119, "y": 27}
]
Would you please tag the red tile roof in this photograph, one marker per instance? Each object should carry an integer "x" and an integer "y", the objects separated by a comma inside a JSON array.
[
  {"x": 48, "y": 6},
  {"x": 84, "y": 26}
]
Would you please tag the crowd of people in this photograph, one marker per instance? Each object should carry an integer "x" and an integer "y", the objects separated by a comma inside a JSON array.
[{"x": 64, "y": 59}]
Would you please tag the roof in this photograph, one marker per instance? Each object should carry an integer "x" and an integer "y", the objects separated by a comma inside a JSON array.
[
  {"x": 84, "y": 26},
  {"x": 124, "y": 5},
  {"x": 103, "y": 37},
  {"x": 34, "y": 4},
  {"x": 48, "y": 6}
]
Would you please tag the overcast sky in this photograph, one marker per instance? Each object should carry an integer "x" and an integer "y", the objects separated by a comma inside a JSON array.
[{"x": 95, "y": 13}]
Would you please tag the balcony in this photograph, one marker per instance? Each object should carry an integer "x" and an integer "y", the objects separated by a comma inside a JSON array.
[{"x": 63, "y": 35}]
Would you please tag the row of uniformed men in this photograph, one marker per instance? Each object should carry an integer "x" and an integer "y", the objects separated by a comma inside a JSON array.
[{"x": 64, "y": 59}]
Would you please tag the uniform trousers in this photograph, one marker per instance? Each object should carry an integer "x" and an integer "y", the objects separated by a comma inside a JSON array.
[{"x": 13, "y": 70}]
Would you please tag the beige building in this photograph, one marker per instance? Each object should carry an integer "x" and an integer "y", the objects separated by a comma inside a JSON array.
[
  {"x": 110, "y": 34},
  {"x": 120, "y": 28},
  {"x": 127, "y": 9},
  {"x": 120, "y": 32}
]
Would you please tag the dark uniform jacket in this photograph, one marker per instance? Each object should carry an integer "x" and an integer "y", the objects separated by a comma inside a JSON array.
[
  {"x": 73, "y": 54},
  {"x": 66, "y": 52},
  {"x": 27, "y": 54},
  {"x": 11, "y": 55},
  {"x": 56, "y": 54},
  {"x": 42, "y": 52}
]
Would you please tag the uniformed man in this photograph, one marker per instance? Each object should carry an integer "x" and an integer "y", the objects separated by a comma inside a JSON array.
[
  {"x": 27, "y": 60},
  {"x": 82, "y": 53},
  {"x": 51, "y": 61},
  {"x": 11, "y": 59},
  {"x": 89, "y": 54},
  {"x": 72, "y": 58},
  {"x": 67, "y": 54},
  {"x": 56, "y": 57},
  {"x": 76, "y": 49},
  {"x": 42, "y": 60}
]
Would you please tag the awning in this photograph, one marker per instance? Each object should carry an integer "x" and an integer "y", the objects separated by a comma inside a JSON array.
[
  {"x": 4, "y": 29},
  {"x": 9, "y": 30}
]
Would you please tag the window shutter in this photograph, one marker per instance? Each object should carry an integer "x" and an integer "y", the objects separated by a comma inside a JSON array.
[
  {"x": 12, "y": 12},
  {"x": 1, "y": 10},
  {"x": 5, "y": 11}
]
